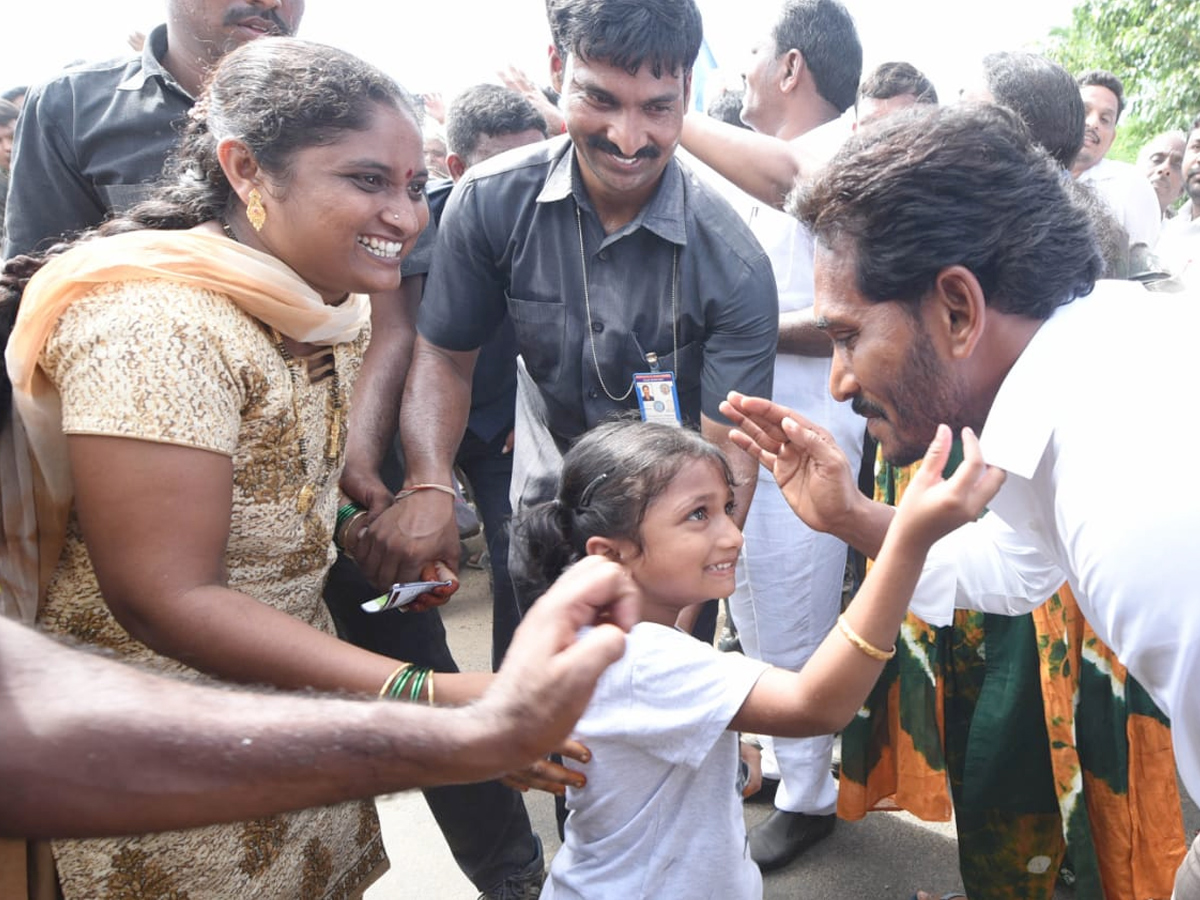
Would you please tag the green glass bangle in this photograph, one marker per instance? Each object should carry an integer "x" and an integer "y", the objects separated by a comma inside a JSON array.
[
  {"x": 418, "y": 683},
  {"x": 345, "y": 512},
  {"x": 397, "y": 689}
]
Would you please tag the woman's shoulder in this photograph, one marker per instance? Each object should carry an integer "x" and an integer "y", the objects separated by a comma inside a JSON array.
[
  {"x": 154, "y": 311},
  {"x": 162, "y": 299}
]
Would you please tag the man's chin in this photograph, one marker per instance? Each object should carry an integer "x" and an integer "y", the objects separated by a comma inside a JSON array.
[
  {"x": 901, "y": 457},
  {"x": 900, "y": 452}
]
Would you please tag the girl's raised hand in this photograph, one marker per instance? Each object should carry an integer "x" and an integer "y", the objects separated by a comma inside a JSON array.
[{"x": 932, "y": 506}]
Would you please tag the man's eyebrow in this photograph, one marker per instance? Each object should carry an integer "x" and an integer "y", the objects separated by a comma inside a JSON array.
[{"x": 593, "y": 90}]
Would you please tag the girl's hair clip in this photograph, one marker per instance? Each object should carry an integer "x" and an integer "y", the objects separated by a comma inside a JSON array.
[{"x": 585, "y": 498}]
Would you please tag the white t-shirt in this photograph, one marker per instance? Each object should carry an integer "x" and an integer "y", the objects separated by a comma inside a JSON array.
[
  {"x": 1095, "y": 425},
  {"x": 1179, "y": 245},
  {"x": 660, "y": 817},
  {"x": 1129, "y": 195}
]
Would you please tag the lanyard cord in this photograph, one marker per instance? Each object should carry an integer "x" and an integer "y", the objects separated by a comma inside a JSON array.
[{"x": 587, "y": 305}]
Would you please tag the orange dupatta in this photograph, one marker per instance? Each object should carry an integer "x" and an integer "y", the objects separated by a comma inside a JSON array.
[{"x": 35, "y": 477}]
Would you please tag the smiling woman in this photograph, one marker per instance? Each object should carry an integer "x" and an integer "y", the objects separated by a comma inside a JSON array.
[{"x": 180, "y": 383}]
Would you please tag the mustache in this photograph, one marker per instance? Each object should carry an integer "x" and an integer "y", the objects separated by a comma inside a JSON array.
[
  {"x": 241, "y": 13},
  {"x": 606, "y": 146},
  {"x": 866, "y": 408}
]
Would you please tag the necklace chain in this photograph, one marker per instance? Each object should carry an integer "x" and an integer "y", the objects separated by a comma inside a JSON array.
[
  {"x": 317, "y": 367},
  {"x": 333, "y": 441},
  {"x": 587, "y": 305}
]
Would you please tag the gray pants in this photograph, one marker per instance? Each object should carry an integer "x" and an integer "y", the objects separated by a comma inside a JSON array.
[{"x": 1187, "y": 882}]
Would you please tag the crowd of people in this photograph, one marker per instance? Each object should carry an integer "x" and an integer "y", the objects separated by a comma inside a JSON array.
[{"x": 268, "y": 317}]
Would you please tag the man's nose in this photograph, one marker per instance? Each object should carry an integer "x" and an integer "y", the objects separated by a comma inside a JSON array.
[
  {"x": 842, "y": 383},
  {"x": 626, "y": 131}
]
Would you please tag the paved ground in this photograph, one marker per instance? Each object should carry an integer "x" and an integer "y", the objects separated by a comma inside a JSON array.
[{"x": 884, "y": 857}]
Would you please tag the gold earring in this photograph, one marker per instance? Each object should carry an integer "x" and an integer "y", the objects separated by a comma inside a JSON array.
[{"x": 255, "y": 211}]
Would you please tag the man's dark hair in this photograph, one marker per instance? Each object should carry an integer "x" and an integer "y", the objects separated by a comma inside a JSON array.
[
  {"x": 727, "y": 107},
  {"x": 932, "y": 187},
  {"x": 487, "y": 110},
  {"x": 1044, "y": 95},
  {"x": 628, "y": 34},
  {"x": 1194, "y": 126},
  {"x": 1104, "y": 79},
  {"x": 13, "y": 93},
  {"x": 897, "y": 79},
  {"x": 824, "y": 32},
  {"x": 8, "y": 112}
]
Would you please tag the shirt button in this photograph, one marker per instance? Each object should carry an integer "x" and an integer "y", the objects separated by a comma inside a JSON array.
[
  {"x": 597, "y": 327},
  {"x": 592, "y": 395},
  {"x": 603, "y": 254}
]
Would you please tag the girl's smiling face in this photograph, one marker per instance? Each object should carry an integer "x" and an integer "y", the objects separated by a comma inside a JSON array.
[{"x": 689, "y": 543}]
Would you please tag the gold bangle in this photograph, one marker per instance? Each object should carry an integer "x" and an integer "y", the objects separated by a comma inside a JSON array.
[
  {"x": 391, "y": 679},
  {"x": 413, "y": 488},
  {"x": 868, "y": 648},
  {"x": 430, "y": 686}
]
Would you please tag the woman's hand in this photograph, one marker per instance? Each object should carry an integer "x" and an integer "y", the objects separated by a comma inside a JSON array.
[
  {"x": 434, "y": 571},
  {"x": 364, "y": 486}
]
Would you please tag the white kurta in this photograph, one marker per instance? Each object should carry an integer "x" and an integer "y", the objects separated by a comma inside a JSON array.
[{"x": 1095, "y": 424}]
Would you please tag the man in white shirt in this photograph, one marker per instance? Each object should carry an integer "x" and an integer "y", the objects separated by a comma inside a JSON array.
[
  {"x": 801, "y": 75},
  {"x": 962, "y": 313},
  {"x": 1179, "y": 246},
  {"x": 1119, "y": 184}
]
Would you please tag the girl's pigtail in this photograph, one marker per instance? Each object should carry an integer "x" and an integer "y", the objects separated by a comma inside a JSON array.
[{"x": 545, "y": 545}]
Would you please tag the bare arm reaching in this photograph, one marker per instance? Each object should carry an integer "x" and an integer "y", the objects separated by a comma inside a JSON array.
[
  {"x": 139, "y": 752},
  {"x": 825, "y": 694},
  {"x": 763, "y": 166}
]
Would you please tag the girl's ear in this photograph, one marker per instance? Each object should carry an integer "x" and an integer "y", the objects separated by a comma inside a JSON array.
[{"x": 616, "y": 549}]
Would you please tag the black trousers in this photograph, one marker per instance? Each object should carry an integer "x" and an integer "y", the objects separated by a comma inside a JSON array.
[{"x": 485, "y": 825}]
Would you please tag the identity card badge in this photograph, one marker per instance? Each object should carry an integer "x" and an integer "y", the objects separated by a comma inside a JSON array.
[{"x": 657, "y": 397}]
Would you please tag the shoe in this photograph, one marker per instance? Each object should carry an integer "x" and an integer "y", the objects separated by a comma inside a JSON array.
[
  {"x": 783, "y": 836},
  {"x": 523, "y": 885}
]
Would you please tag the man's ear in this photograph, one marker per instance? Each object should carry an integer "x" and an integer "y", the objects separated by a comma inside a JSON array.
[
  {"x": 455, "y": 165},
  {"x": 557, "y": 66},
  {"x": 240, "y": 167},
  {"x": 792, "y": 70},
  {"x": 687, "y": 90},
  {"x": 959, "y": 310}
]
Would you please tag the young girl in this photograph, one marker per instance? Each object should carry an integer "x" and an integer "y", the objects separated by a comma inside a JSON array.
[{"x": 660, "y": 815}]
